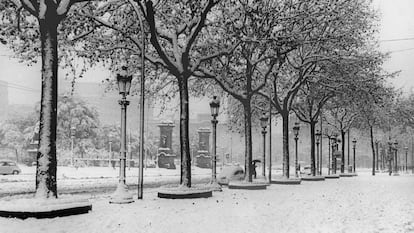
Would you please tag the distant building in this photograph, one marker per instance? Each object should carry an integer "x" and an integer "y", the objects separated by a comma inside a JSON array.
[
  {"x": 106, "y": 103},
  {"x": 4, "y": 99}
]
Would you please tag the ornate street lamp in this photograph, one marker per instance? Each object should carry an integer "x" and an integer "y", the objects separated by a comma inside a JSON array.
[
  {"x": 296, "y": 128},
  {"x": 353, "y": 148},
  {"x": 318, "y": 135},
  {"x": 396, "y": 158},
  {"x": 72, "y": 137},
  {"x": 121, "y": 195},
  {"x": 263, "y": 123},
  {"x": 214, "y": 107}
]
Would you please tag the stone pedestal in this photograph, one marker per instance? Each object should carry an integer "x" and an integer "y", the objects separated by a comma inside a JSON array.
[
  {"x": 165, "y": 156},
  {"x": 203, "y": 157}
]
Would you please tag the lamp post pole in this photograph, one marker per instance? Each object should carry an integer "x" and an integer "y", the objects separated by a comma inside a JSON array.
[
  {"x": 72, "y": 138},
  {"x": 214, "y": 107},
  {"x": 141, "y": 113},
  {"x": 214, "y": 122},
  {"x": 348, "y": 140},
  {"x": 270, "y": 141},
  {"x": 264, "y": 153},
  {"x": 317, "y": 155},
  {"x": 296, "y": 132},
  {"x": 354, "y": 148},
  {"x": 412, "y": 154},
  {"x": 121, "y": 195},
  {"x": 296, "y": 156},
  {"x": 124, "y": 103},
  {"x": 321, "y": 149},
  {"x": 263, "y": 123},
  {"x": 329, "y": 154},
  {"x": 110, "y": 154},
  {"x": 318, "y": 135}
]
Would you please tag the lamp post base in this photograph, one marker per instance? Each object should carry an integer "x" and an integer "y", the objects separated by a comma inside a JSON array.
[
  {"x": 121, "y": 195},
  {"x": 215, "y": 186}
]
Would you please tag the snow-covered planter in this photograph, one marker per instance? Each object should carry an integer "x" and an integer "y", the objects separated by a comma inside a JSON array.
[
  {"x": 347, "y": 174},
  {"x": 286, "y": 181},
  {"x": 255, "y": 185},
  {"x": 43, "y": 208},
  {"x": 313, "y": 178},
  {"x": 121, "y": 195},
  {"x": 332, "y": 176},
  {"x": 184, "y": 192}
]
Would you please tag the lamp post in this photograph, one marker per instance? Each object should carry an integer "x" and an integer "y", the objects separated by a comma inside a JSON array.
[
  {"x": 318, "y": 135},
  {"x": 348, "y": 142},
  {"x": 412, "y": 155},
  {"x": 263, "y": 123},
  {"x": 121, "y": 195},
  {"x": 214, "y": 107},
  {"x": 406, "y": 159},
  {"x": 396, "y": 173},
  {"x": 354, "y": 141},
  {"x": 296, "y": 128},
  {"x": 72, "y": 138},
  {"x": 270, "y": 141},
  {"x": 110, "y": 153}
]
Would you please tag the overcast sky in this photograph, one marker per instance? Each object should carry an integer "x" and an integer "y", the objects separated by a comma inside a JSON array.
[{"x": 397, "y": 23}]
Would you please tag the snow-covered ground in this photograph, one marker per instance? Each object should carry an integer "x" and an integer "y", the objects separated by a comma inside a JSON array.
[
  {"x": 359, "y": 204},
  {"x": 91, "y": 177}
]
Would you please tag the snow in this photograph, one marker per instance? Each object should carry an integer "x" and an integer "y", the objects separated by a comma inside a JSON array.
[
  {"x": 121, "y": 194},
  {"x": 182, "y": 189},
  {"x": 354, "y": 204},
  {"x": 41, "y": 205},
  {"x": 89, "y": 177}
]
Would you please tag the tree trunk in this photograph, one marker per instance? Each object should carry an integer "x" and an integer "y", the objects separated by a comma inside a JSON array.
[
  {"x": 185, "y": 179},
  {"x": 248, "y": 167},
  {"x": 312, "y": 137},
  {"x": 371, "y": 134},
  {"x": 46, "y": 156},
  {"x": 285, "y": 119},
  {"x": 348, "y": 143},
  {"x": 343, "y": 151}
]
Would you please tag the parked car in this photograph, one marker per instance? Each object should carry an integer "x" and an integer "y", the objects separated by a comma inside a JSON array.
[
  {"x": 306, "y": 170},
  {"x": 9, "y": 167}
]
